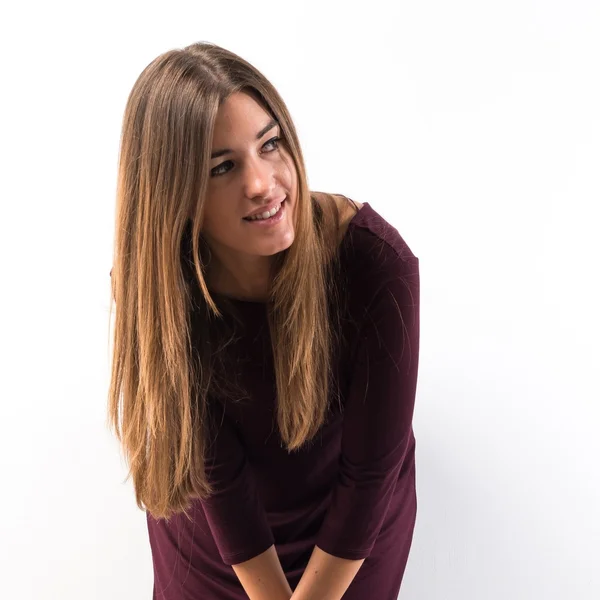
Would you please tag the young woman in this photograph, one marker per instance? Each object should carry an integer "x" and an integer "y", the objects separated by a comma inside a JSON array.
[{"x": 266, "y": 346}]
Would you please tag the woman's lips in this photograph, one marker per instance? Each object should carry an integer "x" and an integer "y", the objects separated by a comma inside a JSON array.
[
  {"x": 270, "y": 221},
  {"x": 273, "y": 205}
]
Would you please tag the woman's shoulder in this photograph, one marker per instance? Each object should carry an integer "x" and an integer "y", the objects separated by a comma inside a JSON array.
[
  {"x": 374, "y": 242},
  {"x": 372, "y": 246},
  {"x": 346, "y": 207}
]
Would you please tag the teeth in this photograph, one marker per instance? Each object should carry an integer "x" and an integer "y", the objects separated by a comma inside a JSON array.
[{"x": 265, "y": 215}]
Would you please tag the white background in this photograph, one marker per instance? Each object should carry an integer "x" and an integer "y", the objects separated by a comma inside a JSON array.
[{"x": 472, "y": 126}]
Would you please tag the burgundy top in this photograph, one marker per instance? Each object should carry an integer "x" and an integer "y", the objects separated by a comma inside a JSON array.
[{"x": 352, "y": 491}]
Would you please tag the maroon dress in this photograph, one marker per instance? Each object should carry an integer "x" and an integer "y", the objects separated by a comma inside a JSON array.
[{"x": 352, "y": 491}]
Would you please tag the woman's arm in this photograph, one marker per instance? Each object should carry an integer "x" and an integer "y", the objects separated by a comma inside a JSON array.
[
  {"x": 262, "y": 577},
  {"x": 235, "y": 516},
  {"x": 377, "y": 437},
  {"x": 326, "y": 577}
]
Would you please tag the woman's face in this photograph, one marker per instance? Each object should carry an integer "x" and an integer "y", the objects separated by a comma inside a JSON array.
[{"x": 255, "y": 173}]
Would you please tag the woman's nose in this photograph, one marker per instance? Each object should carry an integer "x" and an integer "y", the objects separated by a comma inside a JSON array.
[{"x": 258, "y": 178}]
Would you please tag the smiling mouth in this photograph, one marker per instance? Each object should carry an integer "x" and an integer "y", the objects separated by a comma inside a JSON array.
[{"x": 254, "y": 217}]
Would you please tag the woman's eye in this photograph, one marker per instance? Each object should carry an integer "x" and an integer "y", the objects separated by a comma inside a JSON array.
[
  {"x": 218, "y": 170},
  {"x": 274, "y": 140}
]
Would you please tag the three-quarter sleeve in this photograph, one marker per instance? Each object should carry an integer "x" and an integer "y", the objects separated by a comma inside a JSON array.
[
  {"x": 377, "y": 423},
  {"x": 235, "y": 513}
]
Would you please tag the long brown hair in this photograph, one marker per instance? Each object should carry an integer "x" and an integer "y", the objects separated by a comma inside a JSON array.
[{"x": 161, "y": 378}]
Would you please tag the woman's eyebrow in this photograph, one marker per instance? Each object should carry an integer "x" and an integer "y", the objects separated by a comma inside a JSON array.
[{"x": 272, "y": 123}]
